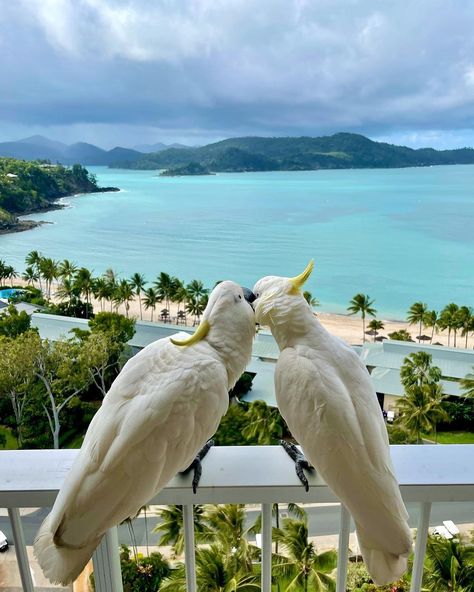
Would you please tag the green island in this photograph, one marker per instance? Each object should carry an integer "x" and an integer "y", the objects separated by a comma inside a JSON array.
[
  {"x": 339, "y": 151},
  {"x": 29, "y": 187},
  {"x": 193, "y": 168}
]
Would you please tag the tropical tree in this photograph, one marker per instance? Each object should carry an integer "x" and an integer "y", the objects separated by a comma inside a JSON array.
[
  {"x": 417, "y": 370},
  {"x": 467, "y": 385},
  {"x": 361, "y": 303},
  {"x": 431, "y": 320},
  {"x": 17, "y": 373},
  {"x": 265, "y": 424},
  {"x": 302, "y": 568},
  {"x": 138, "y": 283},
  {"x": 67, "y": 269},
  {"x": 417, "y": 314},
  {"x": 85, "y": 283},
  {"x": 375, "y": 326},
  {"x": 10, "y": 273},
  {"x": 179, "y": 292},
  {"x": 68, "y": 291},
  {"x": 171, "y": 527},
  {"x": 33, "y": 259},
  {"x": 421, "y": 409},
  {"x": 196, "y": 290},
  {"x": 449, "y": 320},
  {"x": 102, "y": 290},
  {"x": 196, "y": 307},
  {"x": 465, "y": 318},
  {"x": 150, "y": 300},
  {"x": 401, "y": 335},
  {"x": 30, "y": 275},
  {"x": 449, "y": 565},
  {"x": 124, "y": 295},
  {"x": 164, "y": 285},
  {"x": 48, "y": 269},
  {"x": 313, "y": 302},
  {"x": 214, "y": 573}
]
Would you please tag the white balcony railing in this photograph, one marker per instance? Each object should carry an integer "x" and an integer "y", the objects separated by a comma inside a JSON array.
[{"x": 248, "y": 475}]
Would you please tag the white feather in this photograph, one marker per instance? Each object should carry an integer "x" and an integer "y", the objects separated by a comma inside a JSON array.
[
  {"x": 162, "y": 408},
  {"x": 326, "y": 397}
]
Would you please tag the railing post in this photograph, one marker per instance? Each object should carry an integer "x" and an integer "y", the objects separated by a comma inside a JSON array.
[
  {"x": 266, "y": 550},
  {"x": 343, "y": 549},
  {"x": 106, "y": 560},
  {"x": 20, "y": 550},
  {"x": 189, "y": 548},
  {"x": 420, "y": 546}
]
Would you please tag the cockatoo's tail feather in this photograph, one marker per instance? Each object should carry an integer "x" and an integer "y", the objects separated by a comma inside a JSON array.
[{"x": 60, "y": 564}]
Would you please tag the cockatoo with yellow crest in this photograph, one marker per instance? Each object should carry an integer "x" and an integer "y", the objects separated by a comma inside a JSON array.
[
  {"x": 159, "y": 412},
  {"x": 325, "y": 395}
]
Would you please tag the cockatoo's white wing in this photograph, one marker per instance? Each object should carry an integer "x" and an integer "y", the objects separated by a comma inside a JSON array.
[
  {"x": 326, "y": 397},
  {"x": 152, "y": 423}
]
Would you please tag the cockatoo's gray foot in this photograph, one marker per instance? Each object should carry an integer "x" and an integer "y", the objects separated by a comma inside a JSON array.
[
  {"x": 300, "y": 462},
  {"x": 196, "y": 465}
]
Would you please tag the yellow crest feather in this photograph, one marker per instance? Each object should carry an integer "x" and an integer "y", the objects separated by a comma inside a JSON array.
[
  {"x": 199, "y": 334},
  {"x": 298, "y": 281}
]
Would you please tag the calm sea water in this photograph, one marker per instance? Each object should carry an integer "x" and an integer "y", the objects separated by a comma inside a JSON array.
[{"x": 399, "y": 235}]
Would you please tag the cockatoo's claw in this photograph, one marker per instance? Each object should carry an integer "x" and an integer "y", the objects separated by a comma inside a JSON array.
[
  {"x": 196, "y": 465},
  {"x": 300, "y": 462}
]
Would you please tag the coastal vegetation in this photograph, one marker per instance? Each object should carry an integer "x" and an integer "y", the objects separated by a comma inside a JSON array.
[
  {"x": 339, "y": 151},
  {"x": 193, "y": 168},
  {"x": 27, "y": 187}
]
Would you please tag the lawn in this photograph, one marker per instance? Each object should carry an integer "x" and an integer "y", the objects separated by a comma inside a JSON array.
[
  {"x": 11, "y": 440},
  {"x": 452, "y": 437}
]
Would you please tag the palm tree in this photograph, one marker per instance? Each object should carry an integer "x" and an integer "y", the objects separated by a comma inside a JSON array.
[
  {"x": 375, "y": 326},
  {"x": 172, "y": 527},
  {"x": 10, "y": 273},
  {"x": 67, "y": 269},
  {"x": 449, "y": 320},
  {"x": 150, "y": 300},
  {"x": 416, "y": 314},
  {"x": 3, "y": 270},
  {"x": 302, "y": 568},
  {"x": 48, "y": 269},
  {"x": 465, "y": 318},
  {"x": 179, "y": 292},
  {"x": 164, "y": 287},
  {"x": 363, "y": 304},
  {"x": 123, "y": 295},
  {"x": 449, "y": 565},
  {"x": 467, "y": 385},
  {"x": 418, "y": 371},
  {"x": 138, "y": 282},
  {"x": 421, "y": 409},
  {"x": 84, "y": 282},
  {"x": 30, "y": 275},
  {"x": 196, "y": 307},
  {"x": 264, "y": 423},
  {"x": 214, "y": 573},
  {"x": 227, "y": 528},
  {"x": 313, "y": 302},
  {"x": 196, "y": 290},
  {"x": 102, "y": 291},
  {"x": 33, "y": 259},
  {"x": 111, "y": 278},
  {"x": 431, "y": 320},
  {"x": 69, "y": 291}
]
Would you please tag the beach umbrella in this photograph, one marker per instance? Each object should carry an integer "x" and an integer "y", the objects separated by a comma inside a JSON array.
[
  {"x": 380, "y": 338},
  {"x": 424, "y": 337},
  {"x": 437, "y": 343},
  {"x": 371, "y": 332}
]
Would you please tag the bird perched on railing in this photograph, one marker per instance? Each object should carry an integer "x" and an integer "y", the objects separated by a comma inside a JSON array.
[
  {"x": 325, "y": 395},
  {"x": 161, "y": 409}
]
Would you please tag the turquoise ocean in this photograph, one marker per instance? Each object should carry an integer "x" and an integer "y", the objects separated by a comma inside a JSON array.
[{"x": 399, "y": 235}]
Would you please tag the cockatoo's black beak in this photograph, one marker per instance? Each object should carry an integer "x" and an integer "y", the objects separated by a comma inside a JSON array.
[{"x": 248, "y": 295}]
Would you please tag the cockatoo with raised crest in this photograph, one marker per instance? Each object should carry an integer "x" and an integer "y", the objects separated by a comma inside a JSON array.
[
  {"x": 159, "y": 412},
  {"x": 325, "y": 395}
]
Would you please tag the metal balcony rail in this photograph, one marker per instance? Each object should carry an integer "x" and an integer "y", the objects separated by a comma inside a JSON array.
[{"x": 245, "y": 475}]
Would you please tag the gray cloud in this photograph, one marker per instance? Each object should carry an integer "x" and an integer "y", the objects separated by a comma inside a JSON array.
[{"x": 213, "y": 68}]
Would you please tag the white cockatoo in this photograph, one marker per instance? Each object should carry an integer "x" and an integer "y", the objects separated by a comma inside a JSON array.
[
  {"x": 161, "y": 409},
  {"x": 325, "y": 395}
]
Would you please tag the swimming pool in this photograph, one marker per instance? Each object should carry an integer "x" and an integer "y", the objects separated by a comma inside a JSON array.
[{"x": 8, "y": 292}]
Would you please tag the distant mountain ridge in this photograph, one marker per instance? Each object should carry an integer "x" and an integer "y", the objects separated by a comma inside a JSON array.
[
  {"x": 339, "y": 151},
  {"x": 41, "y": 148}
]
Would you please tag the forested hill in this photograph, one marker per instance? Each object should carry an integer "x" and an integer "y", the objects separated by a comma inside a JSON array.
[
  {"x": 340, "y": 151},
  {"x": 27, "y": 187}
]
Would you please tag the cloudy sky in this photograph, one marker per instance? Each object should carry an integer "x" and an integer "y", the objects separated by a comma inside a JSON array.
[{"x": 123, "y": 72}]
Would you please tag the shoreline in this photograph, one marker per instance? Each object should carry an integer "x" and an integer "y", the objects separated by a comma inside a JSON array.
[{"x": 21, "y": 225}]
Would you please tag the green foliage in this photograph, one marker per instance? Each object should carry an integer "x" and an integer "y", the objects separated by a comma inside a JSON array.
[
  {"x": 461, "y": 414},
  {"x": 13, "y": 323},
  {"x": 36, "y": 186},
  {"x": 171, "y": 527},
  {"x": 118, "y": 327},
  {"x": 338, "y": 151},
  {"x": 399, "y": 435},
  {"x": 401, "y": 335},
  {"x": 467, "y": 385},
  {"x": 361, "y": 303},
  {"x": 243, "y": 385},
  {"x": 359, "y": 580},
  {"x": 449, "y": 565}
]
